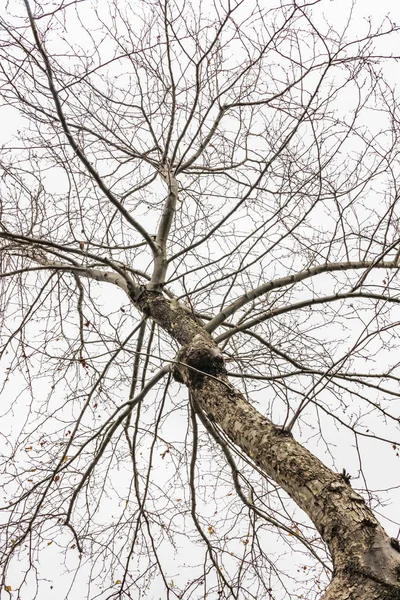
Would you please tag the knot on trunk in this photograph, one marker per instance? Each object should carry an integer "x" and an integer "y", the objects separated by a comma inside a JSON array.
[{"x": 197, "y": 360}]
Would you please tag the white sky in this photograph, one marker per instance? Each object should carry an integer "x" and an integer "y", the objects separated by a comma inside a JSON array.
[{"x": 378, "y": 465}]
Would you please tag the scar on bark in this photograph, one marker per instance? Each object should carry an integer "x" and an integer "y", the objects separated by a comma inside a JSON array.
[
  {"x": 395, "y": 544},
  {"x": 201, "y": 362}
]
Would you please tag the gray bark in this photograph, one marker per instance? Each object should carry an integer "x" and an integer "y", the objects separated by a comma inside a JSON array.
[{"x": 366, "y": 562}]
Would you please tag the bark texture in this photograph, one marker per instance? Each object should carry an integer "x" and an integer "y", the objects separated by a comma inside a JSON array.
[{"x": 366, "y": 562}]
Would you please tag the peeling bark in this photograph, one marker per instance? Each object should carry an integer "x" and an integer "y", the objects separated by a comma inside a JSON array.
[{"x": 366, "y": 562}]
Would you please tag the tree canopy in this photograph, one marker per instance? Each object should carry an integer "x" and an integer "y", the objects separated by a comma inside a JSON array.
[{"x": 200, "y": 251}]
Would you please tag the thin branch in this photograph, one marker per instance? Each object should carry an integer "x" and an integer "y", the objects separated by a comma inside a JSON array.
[{"x": 78, "y": 151}]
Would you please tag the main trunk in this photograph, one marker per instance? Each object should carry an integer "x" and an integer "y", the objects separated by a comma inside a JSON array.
[{"x": 366, "y": 561}]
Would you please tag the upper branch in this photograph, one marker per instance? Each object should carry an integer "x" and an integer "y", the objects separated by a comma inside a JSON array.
[
  {"x": 290, "y": 279},
  {"x": 160, "y": 260},
  {"x": 120, "y": 277},
  {"x": 302, "y": 304}
]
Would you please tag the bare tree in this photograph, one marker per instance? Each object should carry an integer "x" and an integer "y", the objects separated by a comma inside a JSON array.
[{"x": 200, "y": 300}]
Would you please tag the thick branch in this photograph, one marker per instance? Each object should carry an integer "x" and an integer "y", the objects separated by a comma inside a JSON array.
[
  {"x": 160, "y": 260},
  {"x": 290, "y": 279},
  {"x": 298, "y": 305},
  {"x": 95, "y": 274}
]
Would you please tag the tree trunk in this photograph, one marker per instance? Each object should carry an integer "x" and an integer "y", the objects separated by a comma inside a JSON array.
[{"x": 366, "y": 561}]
